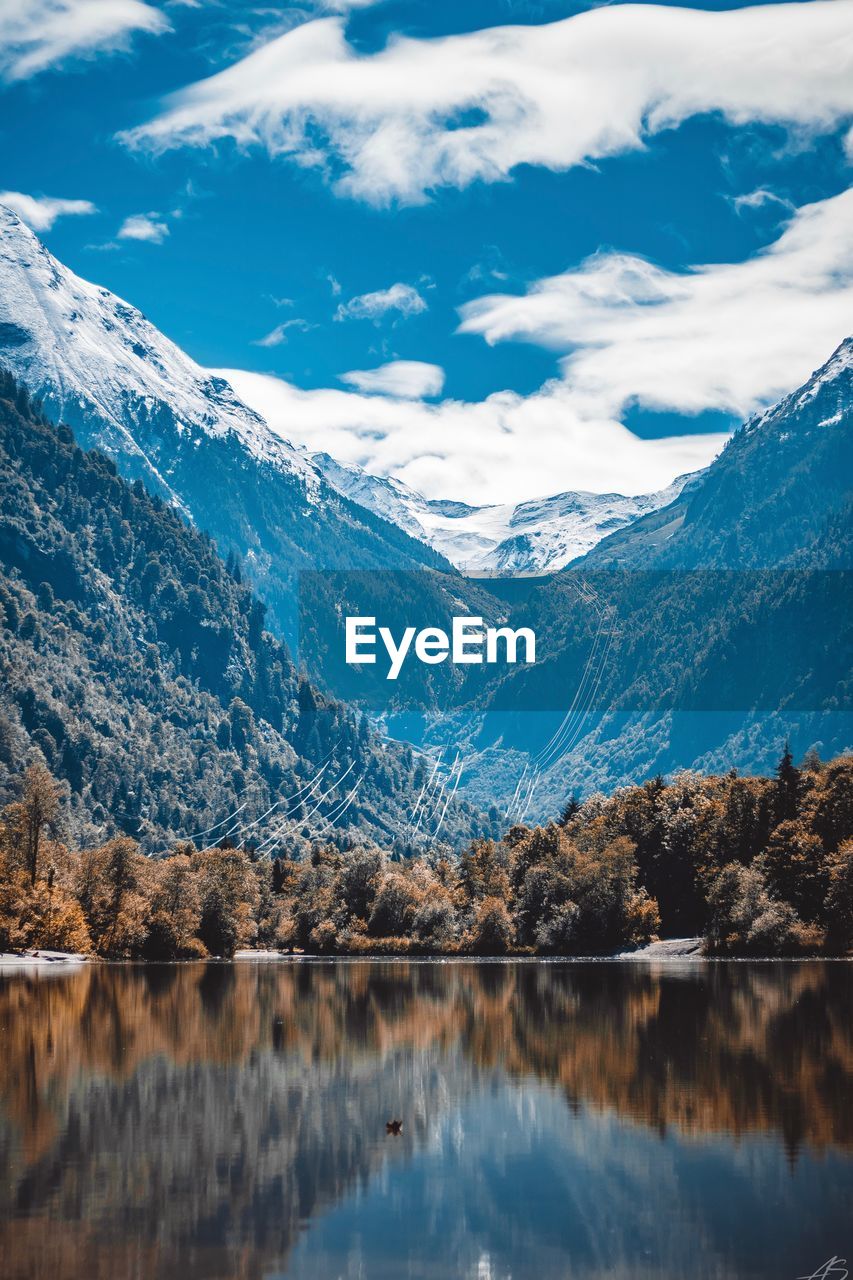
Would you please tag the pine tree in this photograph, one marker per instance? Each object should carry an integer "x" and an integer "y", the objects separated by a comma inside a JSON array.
[
  {"x": 788, "y": 781},
  {"x": 571, "y": 807}
]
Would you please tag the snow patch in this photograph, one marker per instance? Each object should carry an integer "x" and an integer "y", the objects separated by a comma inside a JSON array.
[
  {"x": 538, "y": 536},
  {"x": 78, "y": 345}
]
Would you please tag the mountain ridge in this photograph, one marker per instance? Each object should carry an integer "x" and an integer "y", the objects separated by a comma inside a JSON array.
[
  {"x": 792, "y": 461},
  {"x": 96, "y": 362},
  {"x": 742, "y": 583},
  {"x": 538, "y": 535}
]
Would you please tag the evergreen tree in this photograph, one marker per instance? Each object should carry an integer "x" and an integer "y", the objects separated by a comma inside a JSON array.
[
  {"x": 788, "y": 784},
  {"x": 570, "y": 808}
]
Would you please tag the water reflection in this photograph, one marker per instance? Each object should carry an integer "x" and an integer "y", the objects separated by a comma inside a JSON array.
[{"x": 558, "y": 1119}]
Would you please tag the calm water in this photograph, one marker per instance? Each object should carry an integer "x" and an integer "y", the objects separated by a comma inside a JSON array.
[{"x": 559, "y": 1120}]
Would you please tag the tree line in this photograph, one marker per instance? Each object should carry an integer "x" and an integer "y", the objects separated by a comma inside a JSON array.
[{"x": 758, "y": 866}]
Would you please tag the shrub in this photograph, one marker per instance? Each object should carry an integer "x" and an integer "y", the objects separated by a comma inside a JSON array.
[
  {"x": 746, "y": 920},
  {"x": 492, "y": 932}
]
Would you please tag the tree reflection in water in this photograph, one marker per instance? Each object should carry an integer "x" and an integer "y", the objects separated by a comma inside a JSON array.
[{"x": 218, "y": 1120}]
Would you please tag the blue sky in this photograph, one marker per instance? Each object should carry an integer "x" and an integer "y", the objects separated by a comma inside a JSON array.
[{"x": 261, "y": 220}]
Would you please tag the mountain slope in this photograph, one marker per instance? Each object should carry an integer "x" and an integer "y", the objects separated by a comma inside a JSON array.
[
  {"x": 98, "y": 364},
  {"x": 769, "y": 494},
  {"x": 730, "y": 621},
  {"x": 539, "y": 536},
  {"x": 137, "y": 665}
]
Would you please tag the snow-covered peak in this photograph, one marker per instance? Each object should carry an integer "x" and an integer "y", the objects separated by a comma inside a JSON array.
[
  {"x": 838, "y": 364},
  {"x": 101, "y": 365},
  {"x": 824, "y": 382},
  {"x": 538, "y": 536},
  {"x": 87, "y": 351}
]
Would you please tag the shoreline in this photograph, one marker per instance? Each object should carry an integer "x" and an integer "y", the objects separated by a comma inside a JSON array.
[
  {"x": 666, "y": 950},
  {"x": 37, "y": 958}
]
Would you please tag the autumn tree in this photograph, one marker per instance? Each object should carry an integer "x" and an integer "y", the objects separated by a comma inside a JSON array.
[
  {"x": 227, "y": 895},
  {"x": 492, "y": 932},
  {"x": 113, "y": 885},
  {"x": 175, "y": 911},
  {"x": 39, "y": 810},
  {"x": 839, "y": 898},
  {"x": 793, "y": 864}
]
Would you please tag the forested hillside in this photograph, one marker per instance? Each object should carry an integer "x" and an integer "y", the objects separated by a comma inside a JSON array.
[{"x": 136, "y": 665}]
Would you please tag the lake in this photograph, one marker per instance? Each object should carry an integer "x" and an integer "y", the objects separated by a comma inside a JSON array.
[{"x": 218, "y": 1121}]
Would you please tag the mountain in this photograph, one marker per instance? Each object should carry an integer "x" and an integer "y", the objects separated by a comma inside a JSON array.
[
  {"x": 770, "y": 494},
  {"x": 777, "y": 497},
  {"x": 136, "y": 664},
  {"x": 536, "y": 537},
  {"x": 725, "y": 624},
  {"x": 98, "y": 364}
]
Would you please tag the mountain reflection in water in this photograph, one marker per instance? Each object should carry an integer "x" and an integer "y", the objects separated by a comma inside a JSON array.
[{"x": 216, "y": 1121}]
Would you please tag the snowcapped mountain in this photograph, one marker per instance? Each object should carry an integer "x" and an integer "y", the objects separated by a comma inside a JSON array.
[
  {"x": 91, "y": 355},
  {"x": 780, "y": 481},
  {"x": 711, "y": 670},
  {"x": 98, "y": 364},
  {"x": 539, "y": 536},
  {"x": 125, "y": 388}
]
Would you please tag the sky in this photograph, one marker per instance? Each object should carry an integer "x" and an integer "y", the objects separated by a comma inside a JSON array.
[{"x": 497, "y": 249}]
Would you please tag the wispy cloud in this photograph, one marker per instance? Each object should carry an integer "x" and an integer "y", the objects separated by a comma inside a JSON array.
[
  {"x": 758, "y": 199},
  {"x": 344, "y": 6},
  {"x": 278, "y": 335},
  {"x": 37, "y": 34},
  {"x": 729, "y": 336},
  {"x": 407, "y": 379},
  {"x": 421, "y": 114},
  {"x": 148, "y": 227},
  {"x": 40, "y": 212},
  {"x": 402, "y": 298}
]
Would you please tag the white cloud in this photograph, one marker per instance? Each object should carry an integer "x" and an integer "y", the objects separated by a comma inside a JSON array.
[
  {"x": 372, "y": 306},
  {"x": 37, "y": 34},
  {"x": 424, "y": 113},
  {"x": 758, "y": 199},
  {"x": 40, "y": 212},
  {"x": 848, "y": 145},
  {"x": 278, "y": 335},
  {"x": 503, "y": 449},
  {"x": 731, "y": 336},
  {"x": 144, "y": 226},
  {"x": 407, "y": 379},
  {"x": 344, "y": 6}
]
